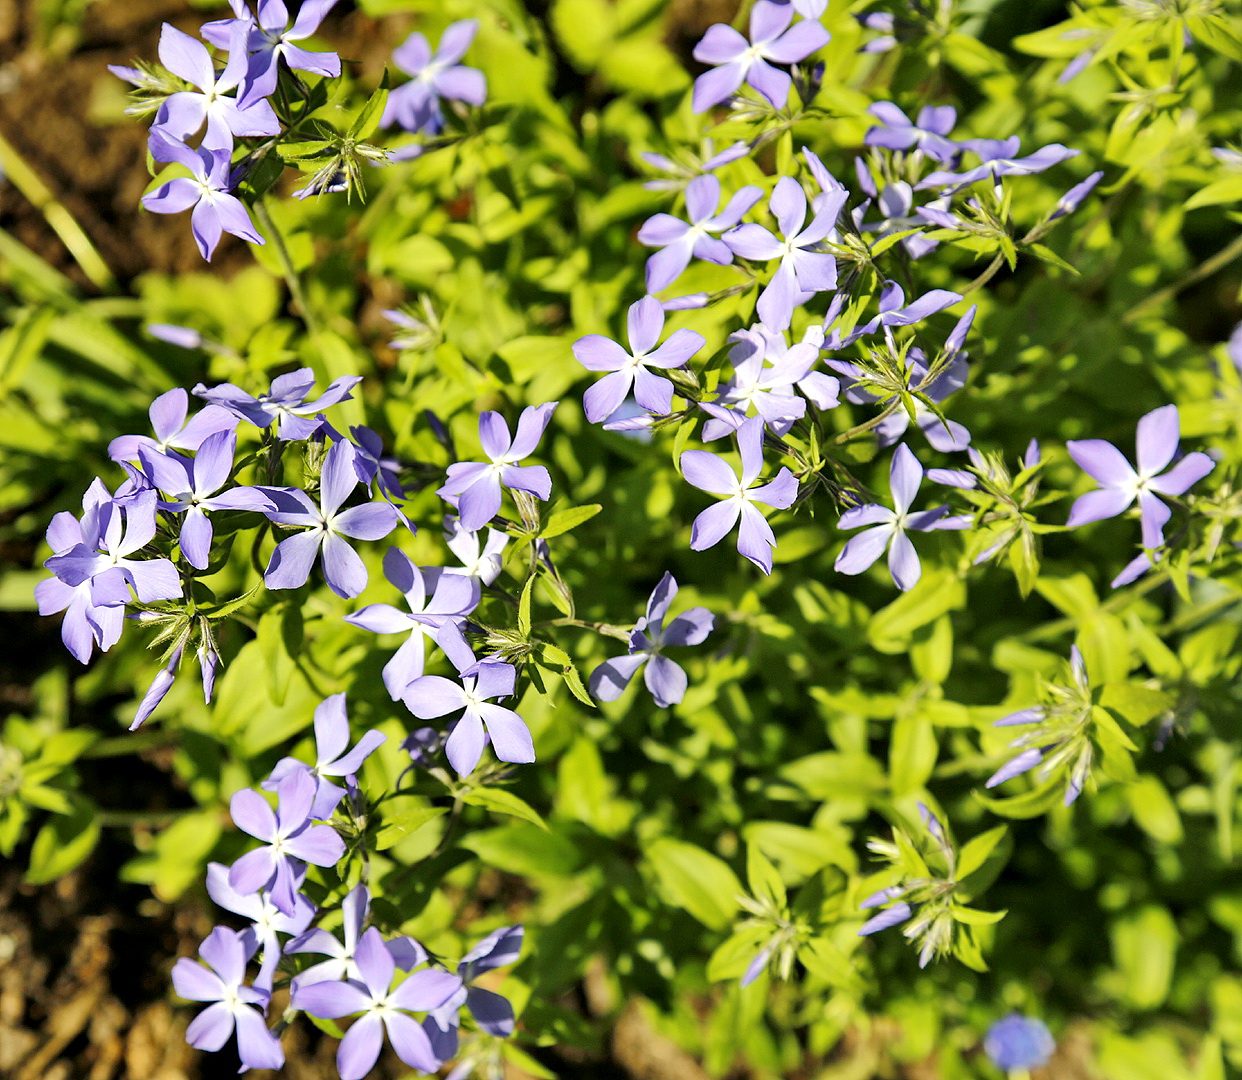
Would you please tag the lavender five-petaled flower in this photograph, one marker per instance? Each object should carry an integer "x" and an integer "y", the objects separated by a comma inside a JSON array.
[
  {"x": 1120, "y": 484},
  {"x": 215, "y": 212},
  {"x": 1018, "y": 1043},
  {"x": 103, "y": 558},
  {"x": 888, "y": 527},
  {"x": 491, "y": 1012},
  {"x": 343, "y": 569},
  {"x": 266, "y": 920},
  {"x": 289, "y": 839},
  {"x": 475, "y": 485},
  {"x": 927, "y": 133},
  {"x": 331, "y": 757},
  {"x": 453, "y": 597},
  {"x": 665, "y": 679},
  {"x": 269, "y": 38},
  {"x": 737, "y": 60},
  {"x": 997, "y": 158},
  {"x": 383, "y": 1008},
  {"x": 234, "y": 1004},
  {"x": 680, "y": 241},
  {"x": 190, "y": 485},
  {"x": 405, "y": 951},
  {"x": 755, "y": 539},
  {"x": 183, "y": 113},
  {"x": 86, "y": 623},
  {"x": 433, "y": 695},
  {"x": 284, "y": 403},
  {"x": 172, "y": 430},
  {"x": 415, "y": 105},
  {"x": 645, "y": 321},
  {"x": 803, "y": 269}
]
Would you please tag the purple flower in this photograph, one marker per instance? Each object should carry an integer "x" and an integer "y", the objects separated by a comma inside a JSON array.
[
  {"x": 1072, "y": 199},
  {"x": 1156, "y": 444},
  {"x": 710, "y": 161},
  {"x": 888, "y": 527},
  {"x": 86, "y": 623},
  {"x": 183, "y": 113},
  {"x": 491, "y": 1012},
  {"x": 158, "y": 690},
  {"x": 681, "y": 241},
  {"x": 884, "y": 23},
  {"x": 190, "y": 486},
  {"x": 341, "y": 964},
  {"x": 475, "y": 486},
  {"x": 371, "y": 465},
  {"x": 453, "y": 597},
  {"x": 331, "y": 757},
  {"x": 284, "y": 403},
  {"x": 266, "y": 919},
  {"x": 383, "y": 1008},
  {"x": 709, "y": 473},
  {"x": 269, "y": 37},
  {"x": 289, "y": 840},
  {"x": 998, "y": 159},
  {"x": 887, "y": 918},
  {"x": 103, "y": 557},
  {"x": 233, "y": 1005},
  {"x": 172, "y": 431},
  {"x": 894, "y": 311},
  {"x": 1018, "y": 1043},
  {"x": 803, "y": 270},
  {"x": 665, "y": 679},
  {"x": 343, "y": 570},
  {"x": 430, "y": 696},
  {"x": 215, "y": 211},
  {"x": 895, "y": 203},
  {"x": 740, "y": 61},
  {"x": 482, "y": 562},
  {"x": 595, "y": 352},
  {"x": 927, "y": 134},
  {"x": 415, "y": 105}
]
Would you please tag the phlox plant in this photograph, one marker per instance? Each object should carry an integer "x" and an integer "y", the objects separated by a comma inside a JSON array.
[{"x": 727, "y": 549}]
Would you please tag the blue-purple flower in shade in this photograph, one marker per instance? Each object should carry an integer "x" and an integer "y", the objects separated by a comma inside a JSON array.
[
  {"x": 415, "y": 105},
  {"x": 205, "y": 193},
  {"x": 1018, "y": 1043},
  {"x": 738, "y": 61},
  {"x": 269, "y": 38},
  {"x": 803, "y": 269},
  {"x": 707, "y": 472},
  {"x": 1120, "y": 484},
  {"x": 86, "y": 623},
  {"x": 680, "y": 241},
  {"x": 182, "y": 114},
  {"x": 341, "y": 964},
  {"x": 332, "y": 758},
  {"x": 883, "y": 23},
  {"x": 895, "y": 204},
  {"x": 889, "y": 917},
  {"x": 288, "y": 837},
  {"x": 894, "y": 311},
  {"x": 373, "y": 467},
  {"x": 474, "y": 486},
  {"x": 998, "y": 158},
  {"x": 190, "y": 487},
  {"x": 266, "y": 920},
  {"x": 630, "y": 370},
  {"x": 928, "y": 133},
  {"x": 452, "y": 598},
  {"x": 343, "y": 569},
  {"x": 430, "y": 696},
  {"x": 235, "y": 1006},
  {"x": 103, "y": 557},
  {"x": 888, "y": 527},
  {"x": 708, "y": 161},
  {"x": 1072, "y": 199},
  {"x": 382, "y": 1008},
  {"x": 158, "y": 690},
  {"x": 664, "y": 678},
  {"x": 766, "y": 369},
  {"x": 285, "y": 404},
  {"x": 491, "y": 1012},
  {"x": 172, "y": 430},
  {"x": 481, "y": 559}
]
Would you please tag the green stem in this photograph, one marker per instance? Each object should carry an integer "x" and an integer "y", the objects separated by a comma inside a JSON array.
[
  {"x": 287, "y": 267},
  {"x": 1222, "y": 258}
]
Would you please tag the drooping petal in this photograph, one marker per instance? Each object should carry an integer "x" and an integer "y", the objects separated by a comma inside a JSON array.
[
  {"x": 491, "y": 1012},
  {"x": 410, "y": 1041},
  {"x": 291, "y": 562},
  {"x": 257, "y": 1047},
  {"x": 211, "y": 1028},
  {"x": 603, "y": 398},
  {"x": 360, "y": 1049},
  {"x": 1154, "y": 515},
  {"x": 464, "y": 746}
]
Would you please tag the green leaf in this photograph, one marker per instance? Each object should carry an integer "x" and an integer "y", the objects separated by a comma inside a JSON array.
[
  {"x": 1144, "y": 944},
  {"x": 1154, "y": 810},
  {"x": 405, "y": 824},
  {"x": 63, "y": 842},
  {"x": 975, "y": 917},
  {"x": 764, "y": 880},
  {"x": 564, "y": 520},
  {"x": 503, "y": 802},
  {"x": 976, "y": 851},
  {"x": 526, "y": 850},
  {"x": 892, "y": 627},
  {"x": 695, "y": 880},
  {"x": 369, "y": 118},
  {"x": 732, "y": 956}
]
